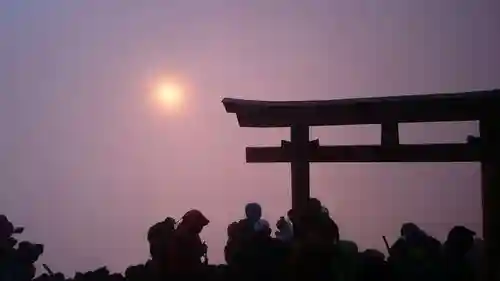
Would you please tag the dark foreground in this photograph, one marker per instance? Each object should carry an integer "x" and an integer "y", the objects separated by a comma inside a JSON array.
[{"x": 306, "y": 247}]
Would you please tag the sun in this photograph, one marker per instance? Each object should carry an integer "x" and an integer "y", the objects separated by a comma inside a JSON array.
[{"x": 169, "y": 95}]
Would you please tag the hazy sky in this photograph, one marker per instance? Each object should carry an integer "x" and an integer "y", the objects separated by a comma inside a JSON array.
[{"x": 87, "y": 164}]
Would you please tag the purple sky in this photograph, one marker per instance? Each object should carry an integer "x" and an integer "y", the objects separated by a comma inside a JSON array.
[{"x": 87, "y": 165}]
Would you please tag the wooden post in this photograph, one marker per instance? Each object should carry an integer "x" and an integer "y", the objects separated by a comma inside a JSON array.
[
  {"x": 299, "y": 167},
  {"x": 490, "y": 169},
  {"x": 390, "y": 134}
]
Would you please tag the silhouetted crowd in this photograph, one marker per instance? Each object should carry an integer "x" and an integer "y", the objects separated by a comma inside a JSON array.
[{"x": 305, "y": 246}]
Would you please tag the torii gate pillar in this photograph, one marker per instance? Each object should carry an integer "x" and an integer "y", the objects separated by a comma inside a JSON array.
[
  {"x": 299, "y": 136},
  {"x": 490, "y": 170}
]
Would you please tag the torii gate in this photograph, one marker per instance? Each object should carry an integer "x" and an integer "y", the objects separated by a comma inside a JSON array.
[{"x": 482, "y": 106}]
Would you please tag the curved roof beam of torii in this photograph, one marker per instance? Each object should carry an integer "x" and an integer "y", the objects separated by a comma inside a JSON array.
[{"x": 442, "y": 107}]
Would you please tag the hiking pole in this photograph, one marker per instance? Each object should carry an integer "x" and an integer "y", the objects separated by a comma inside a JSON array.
[
  {"x": 47, "y": 268},
  {"x": 386, "y": 245}
]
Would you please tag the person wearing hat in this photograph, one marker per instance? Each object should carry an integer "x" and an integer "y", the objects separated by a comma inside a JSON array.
[
  {"x": 187, "y": 248},
  {"x": 194, "y": 221}
]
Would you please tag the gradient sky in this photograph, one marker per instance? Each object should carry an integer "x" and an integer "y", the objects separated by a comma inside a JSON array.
[{"x": 87, "y": 164}]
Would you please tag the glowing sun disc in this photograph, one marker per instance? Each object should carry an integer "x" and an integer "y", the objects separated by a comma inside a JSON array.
[{"x": 169, "y": 95}]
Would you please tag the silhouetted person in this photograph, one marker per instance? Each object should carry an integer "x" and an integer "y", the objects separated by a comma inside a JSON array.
[
  {"x": 134, "y": 273},
  {"x": 26, "y": 255},
  {"x": 58, "y": 277},
  {"x": 16, "y": 264},
  {"x": 314, "y": 249},
  {"x": 476, "y": 257},
  {"x": 187, "y": 249},
  {"x": 318, "y": 222},
  {"x": 253, "y": 213},
  {"x": 159, "y": 237},
  {"x": 240, "y": 236},
  {"x": 458, "y": 244},
  {"x": 347, "y": 260},
  {"x": 116, "y": 277},
  {"x": 285, "y": 230},
  {"x": 231, "y": 248},
  {"x": 415, "y": 256},
  {"x": 373, "y": 266},
  {"x": 237, "y": 245},
  {"x": 259, "y": 253},
  {"x": 7, "y": 230},
  {"x": 253, "y": 254}
]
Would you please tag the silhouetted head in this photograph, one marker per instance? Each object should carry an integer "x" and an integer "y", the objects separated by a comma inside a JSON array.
[
  {"x": 409, "y": 230},
  {"x": 132, "y": 273},
  {"x": 161, "y": 231},
  {"x": 460, "y": 238},
  {"x": 79, "y": 276},
  {"x": 6, "y": 227},
  {"x": 281, "y": 223},
  {"x": 314, "y": 206},
  {"x": 348, "y": 247},
  {"x": 101, "y": 273},
  {"x": 115, "y": 277},
  {"x": 29, "y": 252},
  {"x": 58, "y": 277},
  {"x": 461, "y": 232},
  {"x": 170, "y": 221},
  {"x": 253, "y": 211},
  {"x": 194, "y": 220},
  {"x": 285, "y": 229},
  {"x": 373, "y": 254}
]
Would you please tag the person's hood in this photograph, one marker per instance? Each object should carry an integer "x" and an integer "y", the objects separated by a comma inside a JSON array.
[{"x": 195, "y": 217}]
